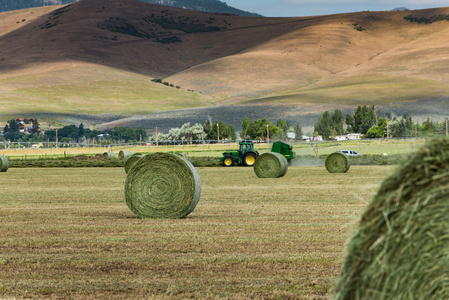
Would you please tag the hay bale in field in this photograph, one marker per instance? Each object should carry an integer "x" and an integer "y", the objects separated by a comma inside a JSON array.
[
  {"x": 401, "y": 247},
  {"x": 4, "y": 163},
  {"x": 337, "y": 163},
  {"x": 130, "y": 161},
  {"x": 124, "y": 154},
  {"x": 270, "y": 165},
  {"x": 182, "y": 155},
  {"x": 109, "y": 155},
  {"x": 162, "y": 185}
]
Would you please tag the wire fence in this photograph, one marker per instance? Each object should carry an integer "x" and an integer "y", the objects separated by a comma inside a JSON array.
[
  {"x": 40, "y": 145},
  {"x": 51, "y": 145}
]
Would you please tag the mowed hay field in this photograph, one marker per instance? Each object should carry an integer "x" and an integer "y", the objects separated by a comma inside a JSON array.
[{"x": 67, "y": 233}]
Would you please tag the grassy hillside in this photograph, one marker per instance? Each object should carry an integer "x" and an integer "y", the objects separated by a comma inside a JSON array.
[
  {"x": 94, "y": 58},
  {"x": 83, "y": 88}
]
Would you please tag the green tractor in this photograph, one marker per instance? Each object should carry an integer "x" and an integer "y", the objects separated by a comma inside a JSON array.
[{"x": 244, "y": 156}]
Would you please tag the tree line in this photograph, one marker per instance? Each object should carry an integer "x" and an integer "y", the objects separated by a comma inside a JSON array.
[
  {"x": 260, "y": 129},
  {"x": 72, "y": 133},
  {"x": 368, "y": 122}
]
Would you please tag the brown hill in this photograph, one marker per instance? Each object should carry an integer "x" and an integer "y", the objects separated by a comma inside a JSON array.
[{"x": 98, "y": 57}]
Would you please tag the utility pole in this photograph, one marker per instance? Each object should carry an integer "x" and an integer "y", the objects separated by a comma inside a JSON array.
[
  {"x": 157, "y": 143},
  {"x": 140, "y": 144},
  {"x": 56, "y": 138},
  {"x": 218, "y": 133}
]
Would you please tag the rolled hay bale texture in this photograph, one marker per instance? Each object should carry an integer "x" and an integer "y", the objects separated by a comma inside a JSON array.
[
  {"x": 337, "y": 163},
  {"x": 4, "y": 163},
  {"x": 182, "y": 155},
  {"x": 401, "y": 247},
  {"x": 109, "y": 155},
  {"x": 130, "y": 161},
  {"x": 270, "y": 165},
  {"x": 162, "y": 185},
  {"x": 124, "y": 154}
]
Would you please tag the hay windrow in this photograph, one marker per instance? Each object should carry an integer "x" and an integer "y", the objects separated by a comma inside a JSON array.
[
  {"x": 130, "y": 161},
  {"x": 162, "y": 185},
  {"x": 401, "y": 247},
  {"x": 337, "y": 163},
  {"x": 270, "y": 165},
  {"x": 4, "y": 163}
]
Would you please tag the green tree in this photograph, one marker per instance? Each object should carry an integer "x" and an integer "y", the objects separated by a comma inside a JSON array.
[
  {"x": 207, "y": 127},
  {"x": 232, "y": 134},
  {"x": 337, "y": 122},
  {"x": 298, "y": 132},
  {"x": 258, "y": 129},
  {"x": 35, "y": 126},
  {"x": 13, "y": 126},
  {"x": 323, "y": 126},
  {"x": 284, "y": 127},
  {"x": 81, "y": 130},
  {"x": 245, "y": 126},
  {"x": 362, "y": 119},
  {"x": 350, "y": 123}
]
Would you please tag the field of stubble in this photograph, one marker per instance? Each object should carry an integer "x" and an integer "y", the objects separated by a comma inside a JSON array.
[{"x": 67, "y": 233}]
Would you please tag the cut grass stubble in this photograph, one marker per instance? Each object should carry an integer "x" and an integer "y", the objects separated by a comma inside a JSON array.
[{"x": 72, "y": 233}]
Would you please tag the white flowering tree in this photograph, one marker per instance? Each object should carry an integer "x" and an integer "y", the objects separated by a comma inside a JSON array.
[{"x": 184, "y": 133}]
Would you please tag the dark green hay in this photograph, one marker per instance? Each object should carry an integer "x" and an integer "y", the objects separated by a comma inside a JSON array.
[
  {"x": 162, "y": 185},
  {"x": 270, "y": 165},
  {"x": 337, "y": 163},
  {"x": 4, "y": 163},
  {"x": 131, "y": 160},
  {"x": 401, "y": 247}
]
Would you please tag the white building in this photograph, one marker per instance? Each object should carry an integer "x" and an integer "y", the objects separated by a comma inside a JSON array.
[{"x": 348, "y": 137}]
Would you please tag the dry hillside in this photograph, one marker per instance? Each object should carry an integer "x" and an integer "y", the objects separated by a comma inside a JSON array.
[{"x": 98, "y": 57}]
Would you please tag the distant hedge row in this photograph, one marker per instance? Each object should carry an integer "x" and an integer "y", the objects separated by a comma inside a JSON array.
[{"x": 85, "y": 163}]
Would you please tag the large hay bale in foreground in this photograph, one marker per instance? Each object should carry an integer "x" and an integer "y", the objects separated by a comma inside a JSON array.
[
  {"x": 270, "y": 165},
  {"x": 401, "y": 247},
  {"x": 4, "y": 163},
  {"x": 337, "y": 163},
  {"x": 130, "y": 161},
  {"x": 162, "y": 185}
]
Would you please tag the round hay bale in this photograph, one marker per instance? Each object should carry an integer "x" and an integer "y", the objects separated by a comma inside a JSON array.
[
  {"x": 124, "y": 154},
  {"x": 337, "y": 163},
  {"x": 109, "y": 155},
  {"x": 162, "y": 185},
  {"x": 4, "y": 163},
  {"x": 401, "y": 247},
  {"x": 130, "y": 161},
  {"x": 270, "y": 165},
  {"x": 182, "y": 155}
]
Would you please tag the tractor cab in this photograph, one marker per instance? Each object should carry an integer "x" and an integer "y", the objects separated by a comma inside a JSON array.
[{"x": 246, "y": 146}]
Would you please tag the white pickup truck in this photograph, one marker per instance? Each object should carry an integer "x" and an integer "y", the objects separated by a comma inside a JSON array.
[{"x": 349, "y": 152}]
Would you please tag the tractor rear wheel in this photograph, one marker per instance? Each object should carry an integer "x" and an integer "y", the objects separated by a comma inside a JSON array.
[
  {"x": 249, "y": 159},
  {"x": 228, "y": 161}
]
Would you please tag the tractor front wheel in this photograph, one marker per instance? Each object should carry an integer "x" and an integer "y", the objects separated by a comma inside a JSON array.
[
  {"x": 249, "y": 159},
  {"x": 228, "y": 161}
]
